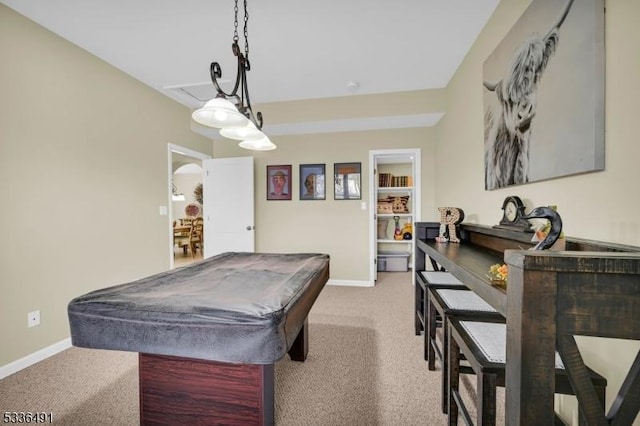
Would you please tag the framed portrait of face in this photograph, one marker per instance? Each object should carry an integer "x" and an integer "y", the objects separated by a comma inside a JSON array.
[
  {"x": 346, "y": 181},
  {"x": 279, "y": 182},
  {"x": 312, "y": 182}
]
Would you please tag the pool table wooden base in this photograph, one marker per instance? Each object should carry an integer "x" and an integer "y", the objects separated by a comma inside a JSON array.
[{"x": 176, "y": 390}]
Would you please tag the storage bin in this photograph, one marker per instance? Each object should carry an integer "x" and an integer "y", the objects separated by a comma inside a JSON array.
[{"x": 393, "y": 261}]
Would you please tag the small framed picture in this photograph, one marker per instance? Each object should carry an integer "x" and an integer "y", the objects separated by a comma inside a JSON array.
[
  {"x": 312, "y": 182},
  {"x": 347, "y": 181},
  {"x": 279, "y": 182}
]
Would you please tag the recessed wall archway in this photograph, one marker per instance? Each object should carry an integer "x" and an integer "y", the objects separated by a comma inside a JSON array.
[{"x": 177, "y": 157}]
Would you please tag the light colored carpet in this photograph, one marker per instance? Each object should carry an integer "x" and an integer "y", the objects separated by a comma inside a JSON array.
[{"x": 365, "y": 367}]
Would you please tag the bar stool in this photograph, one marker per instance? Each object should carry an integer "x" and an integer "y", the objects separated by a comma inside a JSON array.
[
  {"x": 461, "y": 303},
  {"x": 424, "y": 281},
  {"x": 483, "y": 345}
]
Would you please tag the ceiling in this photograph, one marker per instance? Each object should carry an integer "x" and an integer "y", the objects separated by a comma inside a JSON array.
[{"x": 299, "y": 49}]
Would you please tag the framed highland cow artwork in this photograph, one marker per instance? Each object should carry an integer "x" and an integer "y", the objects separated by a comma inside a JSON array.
[{"x": 544, "y": 95}]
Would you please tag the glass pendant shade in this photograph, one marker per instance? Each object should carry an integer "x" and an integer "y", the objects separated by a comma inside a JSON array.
[
  {"x": 245, "y": 133},
  {"x": 219, "y": 112},
  {"x": 262, "y": 144}
]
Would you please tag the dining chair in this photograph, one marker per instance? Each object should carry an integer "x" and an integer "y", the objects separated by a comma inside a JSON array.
[
  {"x": 196, "y": 238},
  {"x": 181, "y": 236}
]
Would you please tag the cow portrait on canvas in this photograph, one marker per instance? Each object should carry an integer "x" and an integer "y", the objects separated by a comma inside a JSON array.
[{"x": 508, "y": 122}]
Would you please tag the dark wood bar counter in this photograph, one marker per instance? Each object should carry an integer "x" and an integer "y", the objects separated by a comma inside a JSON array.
[{"x": 592, "y": 289}]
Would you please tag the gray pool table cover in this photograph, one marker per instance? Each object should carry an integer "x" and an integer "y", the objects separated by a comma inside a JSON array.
[{"x": 229, "y": 308}]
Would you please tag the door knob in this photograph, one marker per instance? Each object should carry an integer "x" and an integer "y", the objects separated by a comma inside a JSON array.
[{"x": 249, "y": 228}]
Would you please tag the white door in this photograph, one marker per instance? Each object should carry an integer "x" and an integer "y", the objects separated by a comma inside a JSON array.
[{"x": 228, "y": 195}]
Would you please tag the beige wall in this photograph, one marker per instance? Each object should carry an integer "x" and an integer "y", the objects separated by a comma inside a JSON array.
[
  {"x": 337, "y": 227},
  {"x": 601, "y": 205},
  {"x": 83, "y": 171}
]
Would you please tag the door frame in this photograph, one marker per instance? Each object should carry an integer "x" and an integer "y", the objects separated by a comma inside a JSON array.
[
  {"x": 416, "y": 163},
  {"x": 184, "y": 151}
]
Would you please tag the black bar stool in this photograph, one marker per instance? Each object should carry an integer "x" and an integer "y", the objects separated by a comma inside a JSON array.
[
  {"x": 483, "y": 345},
  {"x": 448, "y": 303},
  {"x": 424, "y": 281}
]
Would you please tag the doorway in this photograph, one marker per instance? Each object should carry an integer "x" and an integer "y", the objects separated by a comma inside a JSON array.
[
  {"x": 179, "y": 156},
  {"x": 395, "y": 192}
]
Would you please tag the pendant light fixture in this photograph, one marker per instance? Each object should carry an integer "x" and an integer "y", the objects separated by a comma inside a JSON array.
[{"x": 232, "y": 112}]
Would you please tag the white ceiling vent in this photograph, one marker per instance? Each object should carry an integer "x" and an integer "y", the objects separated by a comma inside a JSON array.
[{"x": 195, "y": 94}]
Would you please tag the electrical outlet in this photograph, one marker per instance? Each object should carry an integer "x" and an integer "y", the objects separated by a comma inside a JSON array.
[{"x": 33, "y": 318}]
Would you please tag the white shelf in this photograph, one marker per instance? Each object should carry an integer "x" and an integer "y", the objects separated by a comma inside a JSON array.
[
  {"x": 395, "y": 189},
  {"x": 391, "y": 215},
  {"x": 396, "y": 241}
]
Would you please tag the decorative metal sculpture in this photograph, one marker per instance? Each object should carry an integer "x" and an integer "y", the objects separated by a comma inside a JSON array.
[{"x": 556, "y": 225}]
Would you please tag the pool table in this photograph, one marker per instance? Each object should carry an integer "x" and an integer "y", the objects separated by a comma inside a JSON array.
[{"x": 207, "y": 334}]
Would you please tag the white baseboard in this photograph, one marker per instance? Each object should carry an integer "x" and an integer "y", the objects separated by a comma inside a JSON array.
[
  {"x": 29, "y": 360},
  {"x": 350, "y": 283}
]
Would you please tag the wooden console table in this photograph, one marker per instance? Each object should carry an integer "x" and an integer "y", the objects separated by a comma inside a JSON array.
[{"x": 592, "y": 289}]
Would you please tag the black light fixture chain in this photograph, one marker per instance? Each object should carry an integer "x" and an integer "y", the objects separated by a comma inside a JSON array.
[
  {"x": 235, "y": 22},
  {"x": 246, "y": 30}
]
